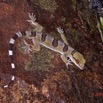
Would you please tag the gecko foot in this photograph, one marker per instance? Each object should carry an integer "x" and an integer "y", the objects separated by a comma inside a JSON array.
[
  {"x": 32, "y": 20},
  {"x": 32, "y": 17},
  {"x": 60, "y": 30},
  {"x": 27, "y": 48},
  {"x": 36, "y": 26}
]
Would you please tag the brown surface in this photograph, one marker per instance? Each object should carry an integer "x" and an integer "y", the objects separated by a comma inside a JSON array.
[{"x": 51, "y": 84}]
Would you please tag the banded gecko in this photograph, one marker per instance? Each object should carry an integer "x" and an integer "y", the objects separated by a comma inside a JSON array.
[{"x": 68, "y": 54}]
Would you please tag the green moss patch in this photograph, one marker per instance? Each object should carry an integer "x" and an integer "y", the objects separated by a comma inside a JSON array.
[{"x": 49, "y": 5}]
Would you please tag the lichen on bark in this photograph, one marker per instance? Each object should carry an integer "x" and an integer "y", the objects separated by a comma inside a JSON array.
[{"x": 49, "y": 5}]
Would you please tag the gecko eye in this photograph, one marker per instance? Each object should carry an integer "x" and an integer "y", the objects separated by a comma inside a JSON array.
[{"x": 68, "y": 58}]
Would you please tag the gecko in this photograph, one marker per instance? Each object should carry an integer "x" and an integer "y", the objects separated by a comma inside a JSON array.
[{"x": 67, "y": 53}]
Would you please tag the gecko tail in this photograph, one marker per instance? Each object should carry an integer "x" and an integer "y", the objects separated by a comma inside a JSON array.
[{"x": 11, "y": 44}]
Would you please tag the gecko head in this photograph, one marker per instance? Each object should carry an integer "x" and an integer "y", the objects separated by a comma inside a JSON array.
[{"x": 78, "y": 59}]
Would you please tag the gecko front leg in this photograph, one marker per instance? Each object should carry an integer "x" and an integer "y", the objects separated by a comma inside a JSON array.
[
  {"x": 65, "y": 58},
  {"x": 37, "y": 27},
  {"x": 67, "y": 61},
  {"x": 61, "y": 32}
]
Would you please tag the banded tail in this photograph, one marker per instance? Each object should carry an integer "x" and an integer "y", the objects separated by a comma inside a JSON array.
[{"x": 11, "y": 44}]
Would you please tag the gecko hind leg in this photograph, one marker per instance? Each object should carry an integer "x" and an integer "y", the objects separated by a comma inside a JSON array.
[
  {"x": 37, "y": 27},
  {"x": 61, "y": 32},
  {"x": 27, "y": 48},
  {"x": 36, "y": 45}
]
